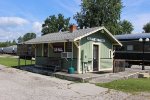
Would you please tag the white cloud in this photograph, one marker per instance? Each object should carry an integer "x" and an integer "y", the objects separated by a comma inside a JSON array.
[
  {"x": 37, "y": 27},
  {"x": 13, "y": 27},
  {"x": 12, "y": 21}
]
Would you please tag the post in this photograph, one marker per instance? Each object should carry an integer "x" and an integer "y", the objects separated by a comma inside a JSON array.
[
  {"x": 19, "y": 61},
  {"x": 143, "y": 67},
  {"x": 25, "y": 60},
  {"x": 31, "y": 60}
]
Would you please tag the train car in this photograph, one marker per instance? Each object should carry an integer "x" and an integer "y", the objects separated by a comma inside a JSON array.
[
  {"x": 1, "y": 50},
  {"x": 9, "y": 50},
  {"x": 135, "y": 49}
]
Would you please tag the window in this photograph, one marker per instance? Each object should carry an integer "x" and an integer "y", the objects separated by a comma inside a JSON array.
[
  {"x": 68, "y": 47},
  {"x": 129, "y": 47},
  {"x": 110, "y": 53}
]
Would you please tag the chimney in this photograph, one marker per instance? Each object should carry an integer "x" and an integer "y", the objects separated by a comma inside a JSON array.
[{"x": 72, "y": 28}]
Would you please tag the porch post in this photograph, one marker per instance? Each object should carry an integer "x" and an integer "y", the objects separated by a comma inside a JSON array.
[
  {"x": 79, "y": 60},
  {"x": 42, "y": 50},
  {"x": 64, "y": 47},
  {"x": 35, "y": 53},
  {"x": 48, "y": 50},
  {"x": 78, "y": 57}
]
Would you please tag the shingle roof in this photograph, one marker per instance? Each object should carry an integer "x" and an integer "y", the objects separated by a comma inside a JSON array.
[
  {"x": 68, "y": 36},
  {"x": 61, "y": 36},
  {"x": 132, "y": 36}
]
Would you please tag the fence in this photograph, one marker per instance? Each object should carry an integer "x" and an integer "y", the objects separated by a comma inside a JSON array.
[{"x": 118, "y": 65}]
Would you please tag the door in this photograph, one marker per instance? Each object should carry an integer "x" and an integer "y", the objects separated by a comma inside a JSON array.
[{"x": 95, "y": 57}]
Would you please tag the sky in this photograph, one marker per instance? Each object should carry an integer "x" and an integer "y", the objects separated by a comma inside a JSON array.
[{"x": 18, "y": 17}]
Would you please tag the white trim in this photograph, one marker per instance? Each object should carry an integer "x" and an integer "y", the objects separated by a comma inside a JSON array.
[
  {"x": 100, "y": 28},
  {"x": 78, "y": 38},
  {"x": 76, "y": 44},
  {"x": 79, "y": 59},
  {"x": 112, "y": 36},
  {"x": 35, "y": 53},
  {"x": 41, "y": 42},
  {"x": 99, "y": 48}
]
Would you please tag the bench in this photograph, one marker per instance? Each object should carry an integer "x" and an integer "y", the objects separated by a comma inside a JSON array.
[{"x": 53, "y": 64}]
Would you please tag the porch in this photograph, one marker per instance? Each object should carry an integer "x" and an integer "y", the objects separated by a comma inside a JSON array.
[{"x": 93, "y": 77}]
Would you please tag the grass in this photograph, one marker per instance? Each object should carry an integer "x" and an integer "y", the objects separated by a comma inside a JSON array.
[
  {"x": 12, "y": 62},
  {"x": 129, "y": 85}
]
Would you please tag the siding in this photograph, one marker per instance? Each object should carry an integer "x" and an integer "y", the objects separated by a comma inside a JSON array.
[{"x": 104, "y": 50}]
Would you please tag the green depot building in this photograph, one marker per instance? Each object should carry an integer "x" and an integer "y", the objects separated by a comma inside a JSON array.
[{"x": 85, "y": 50}]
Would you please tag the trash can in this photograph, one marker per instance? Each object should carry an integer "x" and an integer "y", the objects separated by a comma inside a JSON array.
[{"x": 71, "y": 70}]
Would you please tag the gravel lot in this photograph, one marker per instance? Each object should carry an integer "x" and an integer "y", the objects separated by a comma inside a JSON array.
[{"x": 21, "y": 85}]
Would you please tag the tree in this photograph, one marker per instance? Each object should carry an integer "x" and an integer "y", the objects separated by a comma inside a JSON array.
[
  {"x": 20, "y": 39},
  {"x": 146, "y": 28},
  {"x": 29, "y": 36},
  {"x": 55, "y": 24},
  {"x": 125, "y": 26},
  {"x": 26, "y": 37},
  {"x": 100, "y": 13},
  {"x": 14, "y": 42}
]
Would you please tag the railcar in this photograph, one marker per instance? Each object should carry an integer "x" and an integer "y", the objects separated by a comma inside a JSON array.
[
  {"x": 9, "y": 50},
  {"x": 135, "y": 49}
]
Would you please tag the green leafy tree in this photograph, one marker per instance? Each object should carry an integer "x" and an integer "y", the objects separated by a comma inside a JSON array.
[
  {"x": 146, "y": 28},
  {"x": 125, "y": 27},
  {"x": 3, "y": 44},
  {"x": 14, "y": 42},
  {"x": 100, "y": 13},
  {"x": 7, "y": 43},
  {"x": 29, "y": 36},
  {"x": 55, "y": 24}
]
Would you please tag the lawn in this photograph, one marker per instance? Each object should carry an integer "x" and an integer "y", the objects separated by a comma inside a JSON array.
[
  {"x": 129, "y": 85},
  {"x": 11, "y": 62}
]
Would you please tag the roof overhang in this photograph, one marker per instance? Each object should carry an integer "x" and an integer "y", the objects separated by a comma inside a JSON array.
[
  {"x": 100, "y": 28},
  {"x": 41, "y": 42},
  {"x": 116, "y": 42}
]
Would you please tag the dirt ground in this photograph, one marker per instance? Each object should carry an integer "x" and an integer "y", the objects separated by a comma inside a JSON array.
[{"x": 21, "y": 85}]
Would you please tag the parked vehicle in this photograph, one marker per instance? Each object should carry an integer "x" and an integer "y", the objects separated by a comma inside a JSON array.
[
  {"x": 134, "y": 51},
  {"x": 9, "y": 50}
]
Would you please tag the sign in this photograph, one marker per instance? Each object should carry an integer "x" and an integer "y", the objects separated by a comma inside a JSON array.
[
  {"x": 95, "y": 39},
  {"x": 58, "y": 49}
]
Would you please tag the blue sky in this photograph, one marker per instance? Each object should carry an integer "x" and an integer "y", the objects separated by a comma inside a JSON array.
[{"x": 18, "y": 17}]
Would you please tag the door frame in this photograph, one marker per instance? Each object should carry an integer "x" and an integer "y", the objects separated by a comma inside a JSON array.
[{"x": 99, "y": 45}]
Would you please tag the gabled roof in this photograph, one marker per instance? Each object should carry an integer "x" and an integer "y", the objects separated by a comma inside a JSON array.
[
  {"x": 133, "y": 36},
  {"x": 68, "y": 36}
]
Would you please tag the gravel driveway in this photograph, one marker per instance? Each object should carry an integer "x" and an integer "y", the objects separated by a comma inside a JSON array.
[{"x": 21, "y": 85}]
